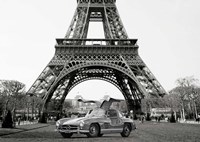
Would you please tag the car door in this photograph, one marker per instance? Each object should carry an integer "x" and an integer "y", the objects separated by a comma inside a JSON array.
[
  {"x": 116, "y": 124},
  {"x": 107, "y": 103}
]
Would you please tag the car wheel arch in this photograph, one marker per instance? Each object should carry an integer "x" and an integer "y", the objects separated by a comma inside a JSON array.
[
  {"x": 98, "y": 126},
  {"x": 126, "y": 130},
  {"x": 129, "y": 124},
  {"x": 94, "y": 125}
]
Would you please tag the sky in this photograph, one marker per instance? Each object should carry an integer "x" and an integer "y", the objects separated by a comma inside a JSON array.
[{"x": 168, "y": 34}]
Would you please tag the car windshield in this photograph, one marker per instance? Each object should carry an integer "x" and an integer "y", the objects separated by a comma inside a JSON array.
[{"x": 96, "y": 113}]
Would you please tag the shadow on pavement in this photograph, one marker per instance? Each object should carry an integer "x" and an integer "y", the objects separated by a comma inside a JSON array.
[{"x": 7, "y": 131}]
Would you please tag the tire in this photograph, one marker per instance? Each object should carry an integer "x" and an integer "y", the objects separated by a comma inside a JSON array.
[
  {"x": 66, "y": 135},
  {"x": 93, "y": 130},
  {"x": 126, "y": 130}
]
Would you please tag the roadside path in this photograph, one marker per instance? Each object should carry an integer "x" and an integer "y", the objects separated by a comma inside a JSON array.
[{"x": 22, "y": 128}]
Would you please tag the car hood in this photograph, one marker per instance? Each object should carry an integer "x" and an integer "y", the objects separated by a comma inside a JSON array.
[
  {"x": 73, "y": 121},
  {"x": 76, "y": 121}
]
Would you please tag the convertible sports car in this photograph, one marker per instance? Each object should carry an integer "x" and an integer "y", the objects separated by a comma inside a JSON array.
[{"x": 99, "y": 121}]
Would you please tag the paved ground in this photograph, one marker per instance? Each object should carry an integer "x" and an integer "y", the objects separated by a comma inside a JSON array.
[{"x": 146, "y": 132}]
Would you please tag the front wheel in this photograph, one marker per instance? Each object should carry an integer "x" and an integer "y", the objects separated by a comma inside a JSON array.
[
  {"x": 126, "y": 130},
  {"x": 66, "y": 135},
  {"x": 93, "y": 130}
]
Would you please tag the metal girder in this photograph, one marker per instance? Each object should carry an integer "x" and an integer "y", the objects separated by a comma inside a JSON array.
[
  {"x": 79, "y": 66},
  {"x": 79, "y": 24},
  {"x": 98, "y": 11},
  {"x": 106, "y": 74},
  {"x": 116, "y": 28},
  {"x": 148, "y": 81},
  {"x": 114, "y": 59}
]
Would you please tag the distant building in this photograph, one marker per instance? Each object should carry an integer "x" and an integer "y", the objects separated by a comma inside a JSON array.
[
  {"x": 157, "y": 112},
  {"x": 120, "y": 106},
  {"x": 80, "y": 106}
]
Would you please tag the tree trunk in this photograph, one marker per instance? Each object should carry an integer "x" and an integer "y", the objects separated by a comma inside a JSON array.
[
  {"x": 6, "y": 108},
  {"x": 14, "y": 115},
  {"x": 175, "y": 115},
  {"x": 195, "y": 110},
  {"x": 43, "y": 117},
  {"x": 27, "y": 111},
  {"x": 183, "y": 111},
  {"x": 32, "y": 115}
]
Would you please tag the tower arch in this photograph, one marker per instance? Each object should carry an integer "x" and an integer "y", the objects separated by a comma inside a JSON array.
[{"x": 106, "y": 73}]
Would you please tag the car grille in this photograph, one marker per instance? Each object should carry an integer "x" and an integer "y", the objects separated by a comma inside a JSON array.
[{"x": 68, "y": 127}]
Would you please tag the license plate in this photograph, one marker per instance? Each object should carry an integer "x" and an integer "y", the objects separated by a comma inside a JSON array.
[{"x": 67, "y": 131}]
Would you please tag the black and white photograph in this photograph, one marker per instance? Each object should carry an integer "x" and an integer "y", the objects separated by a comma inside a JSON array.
[{"x": 99, "y": 70}]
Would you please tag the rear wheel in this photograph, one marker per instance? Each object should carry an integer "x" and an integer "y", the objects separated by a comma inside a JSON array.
[
  {"x": 66, "y": 135},
  {"x": 93, "y": 130},
  {"x": 126, "y": 130}
]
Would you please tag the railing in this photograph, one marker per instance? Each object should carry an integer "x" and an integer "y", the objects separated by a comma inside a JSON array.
[
  {"x": 96, "y": 1},
  {"x": 100, "y": 42}
]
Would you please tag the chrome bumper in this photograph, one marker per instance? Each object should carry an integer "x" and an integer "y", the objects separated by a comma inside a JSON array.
[{"x": 78, "y": 131}]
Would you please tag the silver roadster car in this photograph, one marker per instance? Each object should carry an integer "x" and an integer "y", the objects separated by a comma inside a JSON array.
[{"x": 98, "y": 121}]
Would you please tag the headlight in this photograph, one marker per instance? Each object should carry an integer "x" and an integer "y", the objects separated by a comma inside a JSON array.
[
  {"x": 58, "y": 123},
  {"x": 82, "y": 123}
]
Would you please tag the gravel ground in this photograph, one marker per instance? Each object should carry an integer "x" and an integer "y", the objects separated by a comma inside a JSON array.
[{"x": 146, "y": 132}]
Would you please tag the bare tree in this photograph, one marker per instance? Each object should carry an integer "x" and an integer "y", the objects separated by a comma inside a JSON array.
[
  {"x": 186, "y": 91},
  {"x": 172, "y": 101},
  {"x": 1, "y": 106},
  {"x": 12, "y": 92},
  {"x": 148, "y": 103},
  {"x": 197, "y": 100}
]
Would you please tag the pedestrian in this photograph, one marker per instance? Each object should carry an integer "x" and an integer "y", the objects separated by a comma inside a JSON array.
[
  {"x": 131, "y": 114},
  {"x": 142, "y": 120},
  {"x": 18, "y": 120},
  {"x": 198, "y": 118},
  {"x": 159, "y": 118}
]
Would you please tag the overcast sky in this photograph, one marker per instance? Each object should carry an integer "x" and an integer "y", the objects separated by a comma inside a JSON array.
[{"x": 168, "y": 34}]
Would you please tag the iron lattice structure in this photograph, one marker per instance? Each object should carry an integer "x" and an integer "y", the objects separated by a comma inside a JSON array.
[{"x": 114, "y": 59}]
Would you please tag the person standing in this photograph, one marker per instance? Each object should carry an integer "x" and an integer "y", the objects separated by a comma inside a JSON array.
[
  {"x": 198, "y": 118},
  {"x": 18, "y": 120}
]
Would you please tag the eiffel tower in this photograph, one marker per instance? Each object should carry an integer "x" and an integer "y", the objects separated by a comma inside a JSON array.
[{"x": 114, "y": 59}]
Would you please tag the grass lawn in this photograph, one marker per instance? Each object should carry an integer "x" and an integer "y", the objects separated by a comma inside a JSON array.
[{"x": 168, "y": 132}]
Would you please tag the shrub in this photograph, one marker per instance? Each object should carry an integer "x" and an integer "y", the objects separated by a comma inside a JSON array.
[
  {"x": 172, "y": 119},
  {"x": 148, "y": 118},
  {"x": 8, "y": 122},
  {"x": 43, "y": 118}
]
